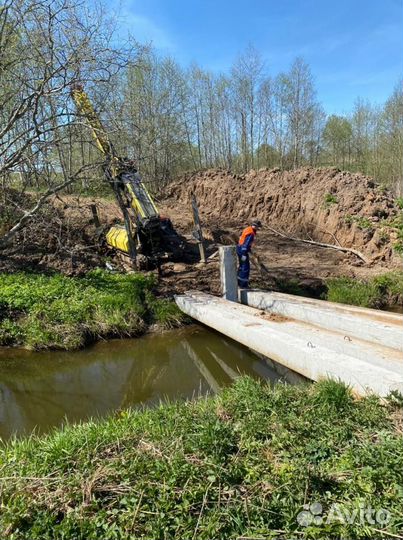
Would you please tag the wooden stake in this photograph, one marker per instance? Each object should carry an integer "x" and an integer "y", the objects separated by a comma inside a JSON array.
[
  {"x": 198, "y": 233},
  {"x": 95, "y": 216}
]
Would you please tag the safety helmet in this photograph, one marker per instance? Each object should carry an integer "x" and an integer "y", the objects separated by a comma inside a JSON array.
[{"x": 256, "y": 224}]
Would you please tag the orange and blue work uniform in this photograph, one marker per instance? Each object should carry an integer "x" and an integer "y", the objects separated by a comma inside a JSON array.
[{"x": 243, "y": 248}]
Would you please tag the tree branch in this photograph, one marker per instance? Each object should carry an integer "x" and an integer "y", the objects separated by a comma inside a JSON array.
[
  {"x": 28, "y": 215},
  {"x": 320, "y": 244}
]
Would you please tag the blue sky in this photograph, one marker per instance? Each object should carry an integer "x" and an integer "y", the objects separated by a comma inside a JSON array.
[{"x": 354, "y": 47}]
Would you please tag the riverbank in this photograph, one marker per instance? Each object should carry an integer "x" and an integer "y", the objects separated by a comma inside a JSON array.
[
  {"x": 54, "y": 311},
  {"x": 40, "y": 311},
  {"x": 240, "y": 465},
  {"x": 379, "y": 292},
  {"x": 382, "y": 291}
]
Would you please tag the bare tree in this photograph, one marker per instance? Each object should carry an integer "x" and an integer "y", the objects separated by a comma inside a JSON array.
[{"x": 46, "y": 46}]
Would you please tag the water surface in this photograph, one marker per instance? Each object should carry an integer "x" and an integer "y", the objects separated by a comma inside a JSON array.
[{"x": 39, "y": 390}]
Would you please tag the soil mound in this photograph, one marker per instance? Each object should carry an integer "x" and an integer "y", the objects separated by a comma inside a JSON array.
[{"x": 322, "y": 204}]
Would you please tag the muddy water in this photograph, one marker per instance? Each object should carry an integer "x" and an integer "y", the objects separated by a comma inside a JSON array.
[{"x": 42, "y": 390}]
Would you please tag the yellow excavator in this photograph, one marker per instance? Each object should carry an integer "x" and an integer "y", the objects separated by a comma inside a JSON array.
[{"x": 145, "y": 236}]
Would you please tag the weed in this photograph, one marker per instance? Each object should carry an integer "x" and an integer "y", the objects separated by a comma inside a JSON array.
[
  {"x": 395, "y": 226},
  {"x": 390, "y": 283},
  {"x": 164, "y": 312},
  {"x": 363, "y": 223},
  {"x": 61, "y": 312},
  {"x": 395, "y": 399},
  {"x": 384, "y": 236},
  {"x": 239, "y": 465},
  {"x": 330, "y": 199},
  {"x": 349, "y": 219},
  {"x": 373, "y": 293},
  {"x": 399, "y": 202},
  {"x": 333, "y": 394}
]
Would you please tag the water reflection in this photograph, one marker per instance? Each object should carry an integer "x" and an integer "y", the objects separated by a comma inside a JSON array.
[{"x": 41, "y": 390}]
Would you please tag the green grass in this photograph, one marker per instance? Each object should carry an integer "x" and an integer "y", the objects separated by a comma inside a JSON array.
[
  {"x": 362, "y": 222},
  {"x": 330, "y": 199},
  {"x": 55, "y": 311},
  {"x": 374, "y": 293},
  {"x": 395, "y": 226},
  {"x": 398, "y": 223},
  {"x": 240, "y": 465}
]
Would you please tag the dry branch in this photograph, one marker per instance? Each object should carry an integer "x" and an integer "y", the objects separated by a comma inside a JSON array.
[
  {"x": 29, "y": 214},
  {"x": 320, "y": 244}
]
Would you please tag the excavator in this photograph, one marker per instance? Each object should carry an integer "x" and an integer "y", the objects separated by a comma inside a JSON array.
[{"x": 146, "y": 237}]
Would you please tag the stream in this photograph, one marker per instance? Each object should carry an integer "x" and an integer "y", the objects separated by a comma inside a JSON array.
[{"x": 40, "y": 390}]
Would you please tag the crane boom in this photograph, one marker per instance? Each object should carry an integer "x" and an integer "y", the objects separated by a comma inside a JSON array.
[
  {"x": 85, "y": 107},
  {"x": 144, "y": 229},
  {"x": 140, "y": 199}
]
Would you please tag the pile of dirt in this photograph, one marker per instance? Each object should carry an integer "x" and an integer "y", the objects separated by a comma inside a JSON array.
[
  {"x": 61, "y": 237},
  {"x": 322, "y": 204}
]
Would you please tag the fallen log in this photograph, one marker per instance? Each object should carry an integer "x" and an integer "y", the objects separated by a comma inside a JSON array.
[{"x": 319, "y": 244}]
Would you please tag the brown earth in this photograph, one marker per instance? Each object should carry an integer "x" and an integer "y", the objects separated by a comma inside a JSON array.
[
  {"x": 64, "y": 238},
  {"x": 323, "y": 204}
]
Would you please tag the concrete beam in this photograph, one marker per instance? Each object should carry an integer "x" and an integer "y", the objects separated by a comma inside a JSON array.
[
  {"x": 371, "y": 325},
  {"x": 312, "y": 352},
  {"x": 228, "y": 273}
]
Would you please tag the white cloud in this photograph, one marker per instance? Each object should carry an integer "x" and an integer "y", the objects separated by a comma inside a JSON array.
[{"x": 142, "y": 27}]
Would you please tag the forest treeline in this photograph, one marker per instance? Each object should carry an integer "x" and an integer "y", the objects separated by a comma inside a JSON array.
[
  {"x": 174, "y": 119},
  {"x": 167, "y": 117}
]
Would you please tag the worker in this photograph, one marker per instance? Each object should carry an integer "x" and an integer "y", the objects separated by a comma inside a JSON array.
[{"x": 243, "y": 249}]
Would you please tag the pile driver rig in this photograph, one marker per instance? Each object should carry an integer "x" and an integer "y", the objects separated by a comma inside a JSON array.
[{"x": 145, "y": 236}]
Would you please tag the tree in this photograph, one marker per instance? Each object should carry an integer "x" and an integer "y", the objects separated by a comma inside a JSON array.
[
  {"x": 337, "y": 137},
  {"x": 246, "y": 78},
  {"x": 151, "y": 120},
  {"x": 391, "y": 138},
  {"x": 362, "y": 123},
  {"x": 267, "y": 156},
  {"x": 46, "y": 46},
  {"x": 300, "y": 106}
]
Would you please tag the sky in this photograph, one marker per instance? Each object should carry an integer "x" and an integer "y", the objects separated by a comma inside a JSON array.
[{"x": 354, "y": 47}]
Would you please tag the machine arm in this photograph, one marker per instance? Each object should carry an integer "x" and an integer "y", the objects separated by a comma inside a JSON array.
[
  {"x": 84, "y": 106},
  {"x": 140, "y": 200}
]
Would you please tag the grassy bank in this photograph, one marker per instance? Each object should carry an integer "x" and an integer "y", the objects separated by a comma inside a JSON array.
[
  {"x": 378, "y": 292},
  {"x": 40, "y": 311},
  {"x": 240, "y": 465}
]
